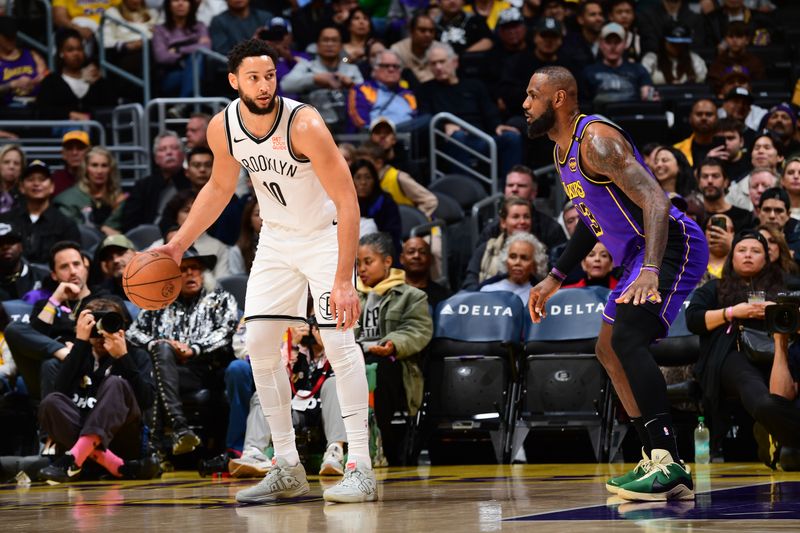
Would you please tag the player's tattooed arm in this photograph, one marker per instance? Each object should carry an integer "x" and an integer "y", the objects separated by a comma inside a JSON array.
[{"x": 606, "y": 152}]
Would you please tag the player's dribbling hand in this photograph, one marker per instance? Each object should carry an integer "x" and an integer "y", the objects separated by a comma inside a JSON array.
[
  {"x": 171, "y": 249},
  {"x": 644, "y": 287},
  {"x": 345, "y": 306},
  {"x": 539, "y": 296}
]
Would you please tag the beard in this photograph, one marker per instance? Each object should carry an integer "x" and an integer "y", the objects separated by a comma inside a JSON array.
[
  {"x": 544, "y": 123},
  {"x": 712, "y": 194},
  {"x": 254, "y": 108}
]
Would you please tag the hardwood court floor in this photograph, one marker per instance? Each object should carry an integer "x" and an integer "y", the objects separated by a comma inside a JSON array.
[{"x": 563, "y": 498}]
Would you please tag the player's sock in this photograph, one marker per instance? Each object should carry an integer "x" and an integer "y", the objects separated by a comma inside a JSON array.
[
  {"x": 352, "y": 390},
  {"x": 272, "y": 384},
  {"x": 84, "y": 447},
  {"x": 638, "y": 423},
  {"x": 662, "y": 436},
  {"x": 108, "y": 460}
]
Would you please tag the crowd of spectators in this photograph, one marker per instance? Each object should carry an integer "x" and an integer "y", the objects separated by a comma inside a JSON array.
[{"x": 379, "y": 71}]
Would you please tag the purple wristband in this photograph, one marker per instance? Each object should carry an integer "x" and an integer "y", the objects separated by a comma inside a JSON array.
[
  {"x": 653, "y": 269},
  {"x": 556, "y": 273}
]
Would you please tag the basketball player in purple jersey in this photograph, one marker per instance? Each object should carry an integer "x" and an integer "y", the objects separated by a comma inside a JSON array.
[{"x": 663, "y": 254}]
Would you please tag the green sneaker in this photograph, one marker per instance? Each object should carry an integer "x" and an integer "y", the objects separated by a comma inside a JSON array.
[
  {"x": 666, "y": 480},
  {"x": 613, "y": 484}
]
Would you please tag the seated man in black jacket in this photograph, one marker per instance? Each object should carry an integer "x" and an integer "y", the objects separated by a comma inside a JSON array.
[
  {"x": 102, "y": 389},
  {"x": 17, "y": 276}
]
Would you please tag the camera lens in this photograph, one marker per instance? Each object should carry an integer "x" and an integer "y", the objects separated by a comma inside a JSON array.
[{"x": 110, "y": 323}]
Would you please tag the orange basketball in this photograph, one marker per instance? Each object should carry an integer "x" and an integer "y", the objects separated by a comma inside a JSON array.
[{"x": 152, "y": 280}]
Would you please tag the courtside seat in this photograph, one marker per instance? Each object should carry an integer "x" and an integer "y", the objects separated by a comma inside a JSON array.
[
  {"x": 463, "y": 189},
  {"x": 18, "y": 310},
  {"x": 470, "y": 374}
]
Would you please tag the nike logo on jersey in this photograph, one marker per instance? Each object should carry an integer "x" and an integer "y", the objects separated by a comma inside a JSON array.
[{"x": 240, "y": 140}]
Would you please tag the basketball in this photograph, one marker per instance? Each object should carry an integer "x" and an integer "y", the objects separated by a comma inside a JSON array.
[{"x": 152, "y": 280}]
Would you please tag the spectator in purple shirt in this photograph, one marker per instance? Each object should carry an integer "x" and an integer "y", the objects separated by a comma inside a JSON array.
[{"x": 174, "y": 42}]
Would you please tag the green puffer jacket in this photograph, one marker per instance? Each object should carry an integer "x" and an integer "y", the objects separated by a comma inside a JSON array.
[{"x": 403, "y": 312}]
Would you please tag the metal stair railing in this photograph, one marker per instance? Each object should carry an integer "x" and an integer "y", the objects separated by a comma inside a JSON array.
[
  {"x": 144, "y": 81},
  {"x": 462, "y": 167}
]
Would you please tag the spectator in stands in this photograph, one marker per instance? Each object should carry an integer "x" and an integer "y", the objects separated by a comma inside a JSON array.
[
  {"x": 174, "y": 41},
  {"x": 76, "y": 90},
  {"x": 779, "y": 251},
  {"x": 83, "y": 17},
  {"x": 395, "y": 326},
  {"x": 759, "y": 26},
  {"x": 403, "y": 188},
  {"x": 383, "y": 132},
  {"x": 521, "y": 182},
  {"x": 469, "y": 100},
  {"x": 582, "y": 43},
  {"x": 734, "y": 57},
  {"x": 21, "y": 69},
  {"x": 97, "y": 199},
  {"x": 703, "y": 121},
  {"x": 173, "y": 217},
  {"x": 150, "y": 194},
  {"x": 674, "y": 63},
  {"x": 241, "y": 256},
  {"x": 738, "y": 103},
  {"x": 12, "y": 161},
  {"x": 324, "y": 82},
  {"x": 374, "y": 202},
  {"x": 465, "y": 32},
  {"x": 515, "y": 216},
  {"x": 654, "y": 20},
  {"x": 761, "y": 179},
  {"x": 416, "y": 259},
  {"x": 623, "y": 12},
  {"x": 715, "y": 312},
  {"x": 612, "y": 79},
  {"x": 735, "y": 160},
  {"x": 773, "y": 210},
  {"x": 190, "y": 343},
  {"x": 766, "y": 154},
  {"x": 196, "y": 129},
  {"x": 511, "y": 40},
  {"x": 358, "y": 30},
  {"x": 40, "y": 223},
  {"x": 523, "y": 262},
  {"x": 17, "y": 276},
  {"x": 548, "y": 37},
  {"x": 674, "y": 173},
  {"x": 198, "y": 171},
  {"x": 720, "y": 231},
  {"x": 308, "y": 21},
  {"x": 279, "y": 36},
  {"x": 413, "y": 49},
  {"x": 383, "y": 96},
  {"x": 112, "y": 256},
  {"x": 790, "y": 181},
  {"x": 488, "y": 10},
  {"x": 102, "y": 390},
  {"x": 123, "y": 45},
  {"x": 597, "y": 270},
  {"x": 713, "y": 183},
  {"x": 781, "y": 120},
  {"x": 74, "y": 145},
  {"x": 237, "y": 23},
  {"x": 9, "y": 379},
  {"x": 40, "y": 345}
]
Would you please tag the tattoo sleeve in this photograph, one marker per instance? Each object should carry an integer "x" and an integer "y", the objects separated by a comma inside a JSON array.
[{"x": 606, "y": 152}]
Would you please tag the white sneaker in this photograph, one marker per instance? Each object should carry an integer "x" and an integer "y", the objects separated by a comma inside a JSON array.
[
  {"x": 252, "y": 463},
  {"x": 282, "y": 481},
  {"x": 332, "y": 461},
  {"x": 358, "y": 485}
]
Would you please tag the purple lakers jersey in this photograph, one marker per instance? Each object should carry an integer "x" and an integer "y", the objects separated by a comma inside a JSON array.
[{"x": 613, "y": 217}]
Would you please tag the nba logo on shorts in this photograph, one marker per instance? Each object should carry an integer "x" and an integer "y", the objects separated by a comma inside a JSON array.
[
  {"x": 573, "y": 164},
  {"x": 324, "y": 306}
]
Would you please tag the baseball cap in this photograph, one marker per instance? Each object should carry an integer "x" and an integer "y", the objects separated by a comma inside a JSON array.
[
  {"x": 8, "y": 233},
  {"x": 37, "y": 165},
  {"x": 76, "y": 135},
  {"x": 739, "y": 92},
  {"x": 276, "y": 29},
  {"x": 114, "y": 241},
  {"x": 382, "y": 120},
  {"x": 678, "y": 34},
  {"x": 549, "y": 25},
  {"x": 736, "y": 72},
  {"x": 612, "y": 28},
  {"x": 786, "y": 108},
  {"x": 512, "y": 15}
]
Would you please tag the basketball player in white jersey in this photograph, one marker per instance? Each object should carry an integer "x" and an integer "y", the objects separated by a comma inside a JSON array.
[{"x": 308, "y": 240}]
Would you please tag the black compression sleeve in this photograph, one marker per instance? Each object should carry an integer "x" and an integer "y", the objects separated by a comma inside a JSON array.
[{"x": 578, "y": 247}]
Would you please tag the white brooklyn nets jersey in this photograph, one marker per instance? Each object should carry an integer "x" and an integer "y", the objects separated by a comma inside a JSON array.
[{"x": 288, "y": 191}]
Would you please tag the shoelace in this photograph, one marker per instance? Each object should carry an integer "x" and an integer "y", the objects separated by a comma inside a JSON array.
[
  {"x": 352, "y": 478},
  {"x": 645, "y": 464}
]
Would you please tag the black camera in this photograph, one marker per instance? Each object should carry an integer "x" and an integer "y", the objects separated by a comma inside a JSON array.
[
  {"x": 107, "y": 322},
  {"x": 784, "y": 316}
]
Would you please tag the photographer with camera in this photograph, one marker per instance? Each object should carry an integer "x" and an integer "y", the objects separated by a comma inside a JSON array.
[
  {"x": 728, "y": 315},
  {"x": 102, "y": 388}
]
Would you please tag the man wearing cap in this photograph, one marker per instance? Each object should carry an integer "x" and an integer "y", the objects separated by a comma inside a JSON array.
[
  {"x": 612, "y": 79},
  {"x": 190, "y": 343},
  {"x": 510, "y": 41},
  {"x": 781, "y": 119},
  {"x": 74, "y": 145},
  {"x": 734, "y": 58},
  {"x": 412, "y": 49},
  {"x": 383, "y": 132},
  {"x": 654, "y": 19},
  {"x": 113, "y": 255},
  {"x": 17, "y": 276},
  {"x": 738, "y": 104},
  {"x": 40, "y": 223}
]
